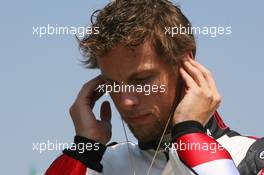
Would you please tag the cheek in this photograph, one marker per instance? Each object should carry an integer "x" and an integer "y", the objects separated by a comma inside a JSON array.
[
  {"x": 166, "y": 99},
  {"x": 164, "y": 102},
  {"x": 160, "y": 102}
]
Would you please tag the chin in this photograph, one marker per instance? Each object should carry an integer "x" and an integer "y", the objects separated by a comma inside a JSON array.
[{"x": 145, "y": 134}]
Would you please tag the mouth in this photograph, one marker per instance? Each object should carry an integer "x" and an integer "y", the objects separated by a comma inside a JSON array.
[{"x": 138, "y": 119}]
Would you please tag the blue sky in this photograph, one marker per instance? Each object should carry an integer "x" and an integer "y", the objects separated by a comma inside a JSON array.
[{"x": 40, "y": 77}]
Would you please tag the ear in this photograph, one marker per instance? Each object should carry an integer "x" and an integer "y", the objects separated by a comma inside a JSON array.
[{"x": 190, "y": 55}]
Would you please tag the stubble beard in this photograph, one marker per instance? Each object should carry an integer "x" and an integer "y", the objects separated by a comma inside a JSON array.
[{"x": 149, "y": 132}]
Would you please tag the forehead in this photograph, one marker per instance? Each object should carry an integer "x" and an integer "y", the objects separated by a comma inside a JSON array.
[{"x": 121, "y": 62}]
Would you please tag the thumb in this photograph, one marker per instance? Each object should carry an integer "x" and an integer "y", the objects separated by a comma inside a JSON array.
[{"x": 105, "y": 112}]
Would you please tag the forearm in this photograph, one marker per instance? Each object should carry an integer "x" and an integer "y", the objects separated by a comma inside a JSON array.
[{"x": 197, "y": 153}]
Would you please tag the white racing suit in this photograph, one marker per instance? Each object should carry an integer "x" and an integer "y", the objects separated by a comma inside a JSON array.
[{"x": 193, "y": 149}]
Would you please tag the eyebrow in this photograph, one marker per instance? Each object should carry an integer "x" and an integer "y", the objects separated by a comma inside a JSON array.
[{"x": 146, "y": 71}]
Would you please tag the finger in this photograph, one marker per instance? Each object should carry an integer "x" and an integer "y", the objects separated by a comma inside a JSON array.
[
  {"x": 211, "y": 82},
  {"x": 189, "y": 81},
  {"x": 196, "y": 74},
  {"x": 92, "y": 91},
  {"x": 88, "y": 115},
  {"x": 105, "y": 113},
  {"x": 206, "y": 73},
  {"x": 92, "y": 86}
]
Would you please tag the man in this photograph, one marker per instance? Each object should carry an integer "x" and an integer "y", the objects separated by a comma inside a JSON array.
[{"x": 178, "y": 129}]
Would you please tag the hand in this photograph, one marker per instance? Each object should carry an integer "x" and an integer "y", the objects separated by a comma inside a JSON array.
[
  {"x": 84, "y": 120},
  {"x": 201, "y": 97}
]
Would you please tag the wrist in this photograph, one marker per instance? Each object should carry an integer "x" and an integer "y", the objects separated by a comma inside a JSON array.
[
  {"x": 88, "y": 151},
  {"x": 179, "y": 118},
  {"x": 186, "y": 127},
  {"x": 93, "y": 135}
]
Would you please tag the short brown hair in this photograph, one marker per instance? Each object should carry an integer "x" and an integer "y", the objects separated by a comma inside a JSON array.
[{"x": 132, "y": 22}]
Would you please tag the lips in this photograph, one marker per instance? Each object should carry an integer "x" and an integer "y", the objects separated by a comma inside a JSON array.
[{"x": 140, "y": 119}]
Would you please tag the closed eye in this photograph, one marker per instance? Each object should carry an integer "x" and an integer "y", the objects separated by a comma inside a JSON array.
[{"x": 143, "y": 79}]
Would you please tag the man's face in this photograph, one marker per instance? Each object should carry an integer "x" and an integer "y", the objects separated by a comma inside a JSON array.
[{"x": 146, "y": 115}]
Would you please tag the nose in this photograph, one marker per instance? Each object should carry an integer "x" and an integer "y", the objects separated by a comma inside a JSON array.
[{"x": 128, "y": 100}]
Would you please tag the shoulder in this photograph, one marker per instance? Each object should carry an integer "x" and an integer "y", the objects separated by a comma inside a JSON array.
[
  {"x": 247, "y": 152},
  {"x": 254, "y": 159},
  {"x": 236, "y": 144}
]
